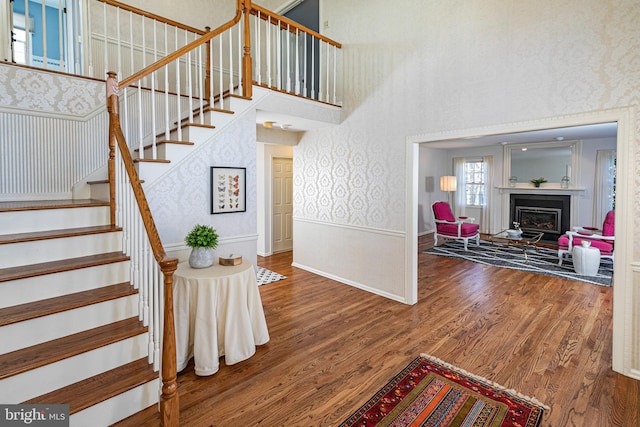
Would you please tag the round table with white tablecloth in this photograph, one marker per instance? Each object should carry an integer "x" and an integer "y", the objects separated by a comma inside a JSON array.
[{"x": 218, "y": 312}]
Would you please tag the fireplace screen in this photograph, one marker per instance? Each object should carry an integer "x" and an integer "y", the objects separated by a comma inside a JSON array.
[{"x": 539, "y": 219}]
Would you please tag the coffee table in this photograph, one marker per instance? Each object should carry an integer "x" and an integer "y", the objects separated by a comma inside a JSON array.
[{"x": 527, "y": 239}]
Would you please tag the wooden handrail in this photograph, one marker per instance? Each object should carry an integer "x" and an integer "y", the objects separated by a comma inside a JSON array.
[
  {"x": 292, "y": 26},
  {"x": 153, "y": 16},
  {"x": 169, "y": 399},
  {"x": 184, "y": 49}
]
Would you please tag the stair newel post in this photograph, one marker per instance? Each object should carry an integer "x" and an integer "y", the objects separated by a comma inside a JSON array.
[
  {"x": 114, "y": 115},
  {"x": 247, "y": 84},
  {"x": 169, "y": 400}
]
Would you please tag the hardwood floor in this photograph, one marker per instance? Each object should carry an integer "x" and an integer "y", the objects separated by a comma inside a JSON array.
[{"x": 333, "y": 346}]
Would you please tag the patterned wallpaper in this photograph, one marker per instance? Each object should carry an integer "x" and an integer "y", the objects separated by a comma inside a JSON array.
[
  {"x": 181, "y": 198},
  {"x": 27, "y": 90},
  {"x": 440, "y": 66}
]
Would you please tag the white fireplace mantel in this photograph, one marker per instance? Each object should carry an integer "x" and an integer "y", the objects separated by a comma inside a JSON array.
[{"x": 542, "y": 190}]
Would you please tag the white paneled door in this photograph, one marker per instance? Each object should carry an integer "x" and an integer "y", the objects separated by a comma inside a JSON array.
[{"x": 282, "y": 230}]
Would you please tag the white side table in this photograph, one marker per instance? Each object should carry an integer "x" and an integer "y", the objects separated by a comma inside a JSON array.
[{"x": 586, "y": 260}]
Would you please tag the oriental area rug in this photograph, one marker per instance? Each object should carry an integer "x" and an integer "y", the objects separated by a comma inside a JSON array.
[
  {"x": 539, "y": 260},
  {"x": 429, "y": 392}
]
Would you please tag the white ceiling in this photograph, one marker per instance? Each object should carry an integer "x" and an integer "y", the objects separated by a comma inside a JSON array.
[{"x": 596, "y": 131}]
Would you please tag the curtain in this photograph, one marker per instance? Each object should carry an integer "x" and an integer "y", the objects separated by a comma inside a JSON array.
[
  {"x": 460, "y": 200},
  {"x": 604, "y": 186},
  {"x": 487, "y": 168}
]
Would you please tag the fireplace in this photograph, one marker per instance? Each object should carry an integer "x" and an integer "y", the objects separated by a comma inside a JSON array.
[{"x": 547, "y": 213}]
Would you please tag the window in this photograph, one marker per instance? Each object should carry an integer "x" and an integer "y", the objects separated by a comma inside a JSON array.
[{"x": 474, "y": 179}]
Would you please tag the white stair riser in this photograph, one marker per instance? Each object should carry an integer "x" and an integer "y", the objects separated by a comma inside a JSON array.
[
  {"x": 35, "y": 252},
  {"x": 173, "y": 152},
  {"x": 52, "y": 219},
  {"x": 27, "y": 385},
  {"x": 31, "y": 289},
  {"x": 99, "y": 191},
  {"x": 47, "y": 328},
  {"x": 118, "y": 407}
]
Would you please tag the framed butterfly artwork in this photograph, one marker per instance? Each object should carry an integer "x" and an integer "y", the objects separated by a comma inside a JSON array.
[{"x": 228, "y": 189}]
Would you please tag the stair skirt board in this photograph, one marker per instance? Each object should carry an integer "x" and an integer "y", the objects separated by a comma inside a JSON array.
[
  {"x": 39, "y": 251},
  {"x": 27, "y": 385},
  {"x": 118, "y": 407},
  {"x": 47, "y": 328},
  {"x": 30, "y": 289},
  {"x": 27, "y": 221}
]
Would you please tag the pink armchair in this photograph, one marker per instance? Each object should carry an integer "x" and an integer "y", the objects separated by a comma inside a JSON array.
[
  {"x": 603, "y": 241},
  {"x": 448, "y": 227}
]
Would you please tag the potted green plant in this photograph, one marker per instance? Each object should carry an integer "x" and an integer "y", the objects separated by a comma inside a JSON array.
[
  {"x": 537, "y": 181},
  {"x": 202, "y": 239}
]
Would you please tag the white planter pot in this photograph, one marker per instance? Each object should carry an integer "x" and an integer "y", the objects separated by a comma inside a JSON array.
[{"x": 201, "y": 257}]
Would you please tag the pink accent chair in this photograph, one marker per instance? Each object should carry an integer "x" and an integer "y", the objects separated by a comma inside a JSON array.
[
  {"x": 603, "y": 241},
  {"x": 448, "y": 227}
]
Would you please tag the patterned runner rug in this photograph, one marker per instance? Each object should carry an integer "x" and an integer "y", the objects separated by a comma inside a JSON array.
[
  {"x": 265, "y": 276},
  {"x": 540, "y": 260},
  {"x": 429, "y": 392}
]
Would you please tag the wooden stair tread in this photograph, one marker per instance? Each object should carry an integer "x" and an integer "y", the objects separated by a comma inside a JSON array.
[
  {"x": 19, "y": 361},
  {"x": 220, "y": 110},
  {"x": 24, "y": 271},
  {"x": 99, "y": 181},
  {"x": 166, "y": 141},
  {"x": 28, "y": 205},
  {"x": 151, "y": 161},
  {"x": 101, "y": 387},
  {"x": 198, "y": 125},
  {"x": 55, "y": 234},
  {"x": 32, "y": 310}
]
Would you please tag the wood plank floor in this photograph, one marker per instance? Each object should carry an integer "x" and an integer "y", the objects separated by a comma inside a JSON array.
[{"x": 333, "y": 346}]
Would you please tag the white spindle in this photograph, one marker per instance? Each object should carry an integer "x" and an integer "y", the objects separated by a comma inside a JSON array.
[
  {"x": 335, "y": 74},
  {"x": 268, "y": 45},
  {"x": 313, "y": 67},
  {"x": 154, "y": 154},
  {"x": 131, "y": 49},
  {"x": 45, "y": 60},
  {"x": 230, "y": 34},
  {"x": 200, "y": 80},
  {"x": 240, "y": 54},
  {"x": 278, "y": 56},
  {"x": 297, "y": 36},
  {"x": 258, "y": 50},
  {"x": 118, "y": 44},
  {"x": 220, "y": 52},
  {"x": 326, "y": 98},
  {"x": 288, "y": 71},
  {"x": 305, "y": 91},
  {"x": 140, "y": 122},
  {"x": 144, "y": 46},
  {"x": 166, "y": 86},
  {"x": 105, "y": 40},
  {"x": 178, "y": 94},
  {"x": 211, "y": 80},
  {"x": 190, "y": 87}
]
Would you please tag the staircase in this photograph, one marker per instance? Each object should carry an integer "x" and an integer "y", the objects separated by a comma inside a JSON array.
[{"x": 69, "y": 315}]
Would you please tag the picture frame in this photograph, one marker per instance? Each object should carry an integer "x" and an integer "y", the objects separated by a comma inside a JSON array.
[{"x": 228, "y": 189}]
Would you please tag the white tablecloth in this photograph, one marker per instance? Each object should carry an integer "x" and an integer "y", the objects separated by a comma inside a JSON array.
[{"x": 218, "y": 312}]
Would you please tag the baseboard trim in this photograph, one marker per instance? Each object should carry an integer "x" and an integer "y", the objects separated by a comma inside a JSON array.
[{"x": 350, "y": 283}]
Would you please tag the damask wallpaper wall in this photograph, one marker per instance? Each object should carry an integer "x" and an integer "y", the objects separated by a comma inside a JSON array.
[{"x": 431, "y": 67}]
